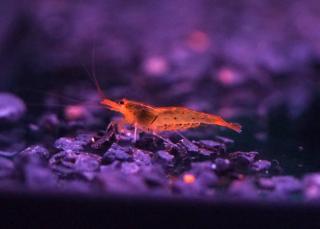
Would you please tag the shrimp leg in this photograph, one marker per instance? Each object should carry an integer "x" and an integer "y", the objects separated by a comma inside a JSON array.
[
  {"x": 182, "y": 136},
  {"x": 164, "y": 139},
  {"x": 118, "y": 123},
  {"x": 135, "y": 133}
]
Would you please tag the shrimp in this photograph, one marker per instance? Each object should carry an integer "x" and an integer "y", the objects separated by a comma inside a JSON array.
[{"x": 159, "y": 119}]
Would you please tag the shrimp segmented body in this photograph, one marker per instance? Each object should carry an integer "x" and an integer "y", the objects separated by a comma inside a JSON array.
[{"x": 158, "y": 119}]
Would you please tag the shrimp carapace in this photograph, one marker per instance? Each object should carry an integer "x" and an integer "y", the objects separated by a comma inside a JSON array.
[{"x": 159, "y": 119}]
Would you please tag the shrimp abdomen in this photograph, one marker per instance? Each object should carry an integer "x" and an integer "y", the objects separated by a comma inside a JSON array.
[{"x": 179, "y": 118}]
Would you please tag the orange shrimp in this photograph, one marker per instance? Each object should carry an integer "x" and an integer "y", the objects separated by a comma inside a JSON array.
[{"x": 159, "y": 119}]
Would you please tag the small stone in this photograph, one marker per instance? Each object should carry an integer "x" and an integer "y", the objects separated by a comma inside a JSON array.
[
  {"x": 206, "y": 153},
  {"x": 89, "y": 175},
  {"x": 198, "y": 167},
  {"x": 261, "y": 165},
  {"x": 66, "y": 163},
  {"x": 57, "y": 162},
  {"x": 312, "y": 186},
  {"x": 221, "y": 164},
  {"x": 243, "y": 189},
  {"x": 39, "y": 177},
  {"x": 243, "y": 158},
  {"x": 12, "y": 108},
  {"x": 207, "y": 178},
  {"x": 73, "y": 144},
  {"x": 111, "y": 167},
  {"x": 225, "y": 140},
  {"x": 266, "y": 183},
  {"x": 141, "y": 158},
  {"x": 84, "y": 139},
  {"x": 68, "y": 144},
  {"x": 193, "y": 185},
  {"x": 129, "y": 167},
  {"x": 116, "y": 152},
  {"x": 7, "y": 153},
  {"x": 211, "y": 145},
  {"x": 154, "y": 176},
  {"x": 286, "y": 184},
  {"x": 121, "y": 183},
  {"x": 34, "y": 129},
  {"x": 35, "y": 154},
  {"x": 204, "y": 173},
  {"x": 87, "y": 162},
  {"x": 165, "y": 156},
  {"x": 189, "y": 145},
  {"x": 49, "y": 122}
]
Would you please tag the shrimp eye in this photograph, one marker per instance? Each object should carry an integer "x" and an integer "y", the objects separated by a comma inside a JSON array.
[{"x": 121, "y": 102}]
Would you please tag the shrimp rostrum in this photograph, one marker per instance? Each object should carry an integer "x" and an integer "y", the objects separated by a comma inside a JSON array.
[{"x": 160, "y": 119}]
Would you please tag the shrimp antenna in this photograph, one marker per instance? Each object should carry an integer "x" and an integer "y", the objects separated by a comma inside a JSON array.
[
  {"x": 92, "y": 74},
  {"x": 94, "y": 77}
]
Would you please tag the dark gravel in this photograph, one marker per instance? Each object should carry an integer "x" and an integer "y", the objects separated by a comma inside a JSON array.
[{"x": 197, "y": 168}]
